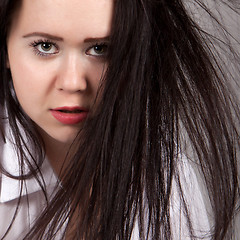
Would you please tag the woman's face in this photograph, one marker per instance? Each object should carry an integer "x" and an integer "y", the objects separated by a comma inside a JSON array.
[{"x": 56, "y": 54}]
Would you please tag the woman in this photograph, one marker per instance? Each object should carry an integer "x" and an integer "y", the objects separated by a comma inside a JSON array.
[{"x": 118, "y": 101}]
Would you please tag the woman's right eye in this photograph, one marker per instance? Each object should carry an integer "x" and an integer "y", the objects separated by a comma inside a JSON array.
[{"x": 44, "y": 48}]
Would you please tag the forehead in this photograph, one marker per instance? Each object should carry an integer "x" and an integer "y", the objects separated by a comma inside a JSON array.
[{"x": 67, "y": 17}]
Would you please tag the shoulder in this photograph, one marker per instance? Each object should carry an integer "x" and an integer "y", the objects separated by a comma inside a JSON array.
[
  {"x": 21, "y": 199},
  {"x": 11, "y": 187}
]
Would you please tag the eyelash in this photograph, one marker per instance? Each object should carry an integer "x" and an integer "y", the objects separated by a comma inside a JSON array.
[
  {"x": 103, "y": 45},
  {"x": 34, "y": 45},
  {"x": 37, "y": 43}
]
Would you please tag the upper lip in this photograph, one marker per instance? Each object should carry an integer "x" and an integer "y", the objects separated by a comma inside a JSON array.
[{"x": 70, "y": 108}]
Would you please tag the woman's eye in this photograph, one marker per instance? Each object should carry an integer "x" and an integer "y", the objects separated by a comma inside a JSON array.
[
  {"x": 98, "y": 50},
  {"x": 45, "y": 48}
]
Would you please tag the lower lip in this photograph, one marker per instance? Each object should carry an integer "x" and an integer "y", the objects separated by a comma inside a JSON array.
[{"x": 69, "y": 118}]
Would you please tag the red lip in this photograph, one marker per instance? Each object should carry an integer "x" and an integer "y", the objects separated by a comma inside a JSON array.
[{"x": 70, "y": 115}]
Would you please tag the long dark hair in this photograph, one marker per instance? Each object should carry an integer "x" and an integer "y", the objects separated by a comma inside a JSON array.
[{"x": 166, "y": 93}]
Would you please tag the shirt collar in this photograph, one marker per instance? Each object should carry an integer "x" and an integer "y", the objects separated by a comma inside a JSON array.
[{"x": 10, "y": 188}]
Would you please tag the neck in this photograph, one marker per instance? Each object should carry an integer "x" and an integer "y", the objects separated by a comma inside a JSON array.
[{"x": 58, "y": 153}]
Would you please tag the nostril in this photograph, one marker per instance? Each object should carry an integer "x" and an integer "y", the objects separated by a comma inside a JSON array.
[{"x": 72, "y": 84}]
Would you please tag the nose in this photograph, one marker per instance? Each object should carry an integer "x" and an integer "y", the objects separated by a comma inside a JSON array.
[{"x": 72, "y": 75}]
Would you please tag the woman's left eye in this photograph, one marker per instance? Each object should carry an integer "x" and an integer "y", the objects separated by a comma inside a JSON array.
[
  {"x": 98, "y": 50},
  {"x": 45, "y": 48}
]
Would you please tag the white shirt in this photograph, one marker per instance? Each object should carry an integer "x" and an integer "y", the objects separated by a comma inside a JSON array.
[{"x": 33, "y": 201}]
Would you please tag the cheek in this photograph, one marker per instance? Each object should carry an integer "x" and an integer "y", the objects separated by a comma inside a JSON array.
[
  {"x": 28, "y": 73},
  {"x": 29, "y": 77},
  {"x": 25, "y": 81},
  {"x": 96, "y": 74},
  {"x": 29, "y": 84}
]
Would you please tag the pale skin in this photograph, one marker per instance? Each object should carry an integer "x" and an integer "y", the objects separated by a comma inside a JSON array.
[{"x": 56, "y": 54}]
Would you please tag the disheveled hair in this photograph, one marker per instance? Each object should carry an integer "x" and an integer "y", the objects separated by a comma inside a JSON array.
[{"x": 166, "y": 92}]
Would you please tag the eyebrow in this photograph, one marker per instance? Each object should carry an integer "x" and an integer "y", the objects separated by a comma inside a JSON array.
[
  {"x": 56, "y": 38},
  {"x": 41, "y": 34},
  {"x": 89, "y": 40}
]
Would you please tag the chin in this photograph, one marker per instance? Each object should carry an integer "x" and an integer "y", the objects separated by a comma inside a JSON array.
[
  {"x": 65, "y": 139},
  {"x": 57, "y": 136}
]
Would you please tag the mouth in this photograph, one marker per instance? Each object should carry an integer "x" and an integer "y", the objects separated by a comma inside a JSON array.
[
  {"x": 69, "y": 111},
  {"x": 69, "y": 115}
]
